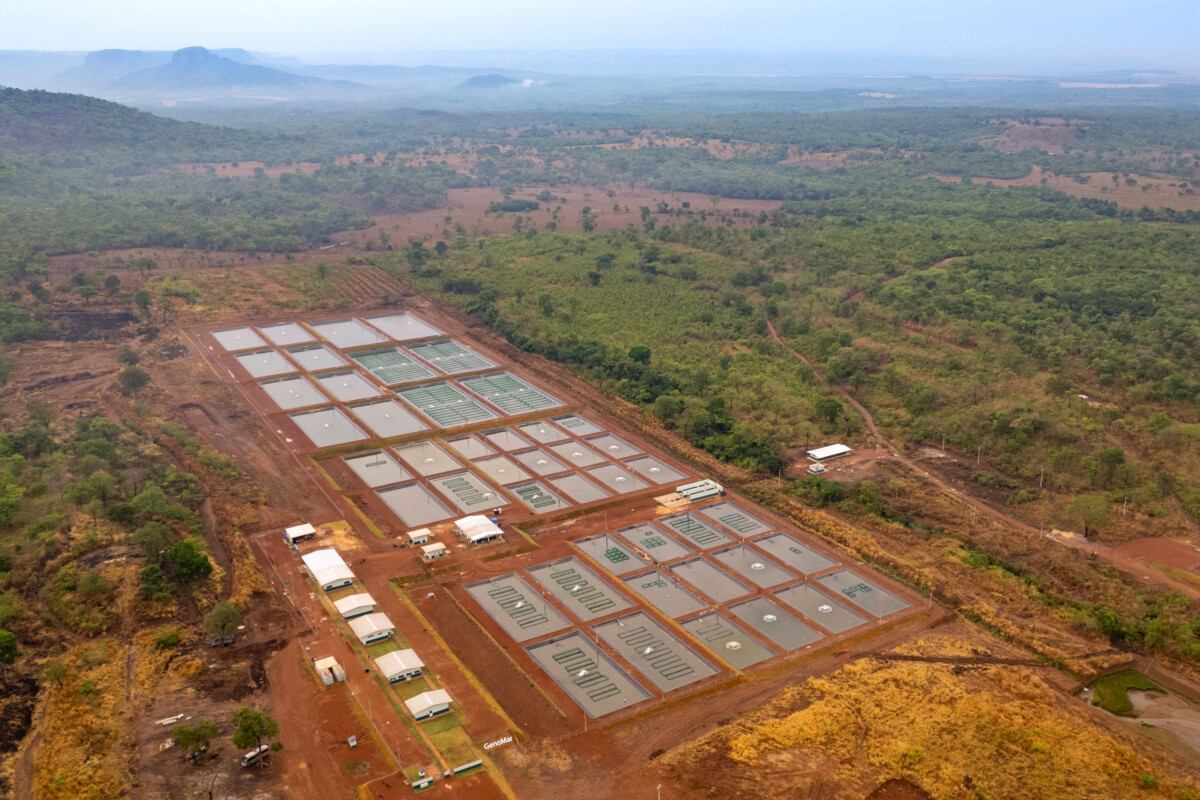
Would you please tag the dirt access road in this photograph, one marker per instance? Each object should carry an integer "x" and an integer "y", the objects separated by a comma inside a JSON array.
[{"x": 1129, "y": 557}]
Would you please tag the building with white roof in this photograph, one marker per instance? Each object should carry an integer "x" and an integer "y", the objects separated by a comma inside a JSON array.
[
  {"x": 355, "y": 605},
  {"x": 828, "y": 452},
  {"x": 372, "y": 627},
  {"x": 328, "y": 569},
  {"x": 478, "y": 529},
  {"x": 330, "y": 670},
  {"x": 429, "y": 704},
  {"x": 298, "y": 533},
  {"x": 399, "y": 665}
]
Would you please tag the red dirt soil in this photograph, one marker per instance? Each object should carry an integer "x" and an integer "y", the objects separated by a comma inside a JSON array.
[
  {"x": 467, "y": 207},
  {"x": 315, "y": 725},
  {"x": 1149, "y": 190}
]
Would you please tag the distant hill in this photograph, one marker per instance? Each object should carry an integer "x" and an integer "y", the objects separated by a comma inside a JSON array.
[
  {"x": 30, "y": 69},
  {"x": 101, "y": 68},
  {"x": 200, "y": 69},
  {"x": 488, "y": 82},
  {"x": 390, "y": 76},
  {"x": 50, "y": 122}
]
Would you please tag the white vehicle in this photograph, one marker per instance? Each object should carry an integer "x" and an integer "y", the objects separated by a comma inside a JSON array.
[{"x": 254, "y": 756}]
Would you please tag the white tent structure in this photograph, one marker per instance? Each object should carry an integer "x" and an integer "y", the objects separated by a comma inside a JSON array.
[
  {"x": 399, "y": 665},
  {"x": 429, "y": 704},
  {"x": 828, "y": 452},
  {"x": 328, "y": 568},
  {"x": 478, "y": 529},
  {"x": 298, "y": 533},
  {"x": 372, "y": 627},
  {"x": 355, "y": 605}
]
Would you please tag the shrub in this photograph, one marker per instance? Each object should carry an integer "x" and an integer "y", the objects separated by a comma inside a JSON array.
[{"x": 167, "y": 640}]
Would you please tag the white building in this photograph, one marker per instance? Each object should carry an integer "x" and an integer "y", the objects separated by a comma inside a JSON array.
[
  {"x": 399, "y": 665},
  {"x": 334, "y": 577},
  {"x": 699, "y": 490},
  {"x": 298, "y": 533},
  {"x": 355, "y": 605},
  {"x": 431, "y": 551},
  {"x": 372, "y": 627},
  {"x": 478, "y": 529},
  {"x": 328, "y": 569},
  {"x": 330, "y": 670},
  {"x": 429, "y": 704},
  {"x": 419, "y": 536},
  {"x": 828, "y": 452}
]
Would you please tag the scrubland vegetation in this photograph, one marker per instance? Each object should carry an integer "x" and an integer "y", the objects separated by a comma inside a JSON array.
[{"x": 1045, "y": 343}]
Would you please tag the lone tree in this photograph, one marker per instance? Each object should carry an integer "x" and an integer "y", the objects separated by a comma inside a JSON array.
[
  {"x": 223, "y": 620},
  {"x": 828, "y": 409},
  {"x": 55, "y": 672},
  {"x": 132, "y": 379},
  {"x": 251, "y": 727},
  {"x": 1092, "y": 509},
  {"x": 193, "y": 740},
  {"x": 127, "y": 356}
]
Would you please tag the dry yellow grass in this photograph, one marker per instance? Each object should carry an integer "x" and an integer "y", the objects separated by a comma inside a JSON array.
[
  {"x": 995, "y": 731},
  {"x": 340, "y": 535},
  {"x": 83, "y": 752},
  {"x": 248, "y": 579},
  {"x": 156, "y": 666}
]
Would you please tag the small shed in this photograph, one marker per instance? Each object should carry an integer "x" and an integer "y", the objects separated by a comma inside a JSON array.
[
  {"x": 372, "y": 627},
  {"x": 478, "y": 529},
  {"x": 828, "y": 452},
  {"x": 429, "y": 704},
  {"x": 298, "y": 533},
  {"x": 399, "y": 665},
  {"x": 330, "y": 670},
  {"x": 431, "y": 551},
  {"x": 419, "y": 536},
  {"x": 355, "y": 605}
]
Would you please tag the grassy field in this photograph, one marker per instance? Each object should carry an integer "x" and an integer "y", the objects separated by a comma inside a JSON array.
[
  {"x": 1112, "y": 691},
  {"x": 447, "y": 734},
  {"x": 376, "y": 649}
]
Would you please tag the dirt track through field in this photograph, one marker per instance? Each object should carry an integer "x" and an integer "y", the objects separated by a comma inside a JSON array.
[{"x": 1126, "y": 557}]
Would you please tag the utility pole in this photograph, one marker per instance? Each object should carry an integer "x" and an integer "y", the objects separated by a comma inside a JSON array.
[
  {"x": 1041, "y": 478},
  {"x": 978, "y": 455}
]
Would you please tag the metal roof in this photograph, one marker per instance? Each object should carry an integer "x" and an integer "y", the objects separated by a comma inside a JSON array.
[
  {"x": 423, "y": 702},
  {"x": 398, "y": 661},
  {"x": 822, "y": 453}
]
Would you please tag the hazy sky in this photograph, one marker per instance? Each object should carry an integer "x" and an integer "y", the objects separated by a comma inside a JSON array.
[{"x": 1150, "y": 32}]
